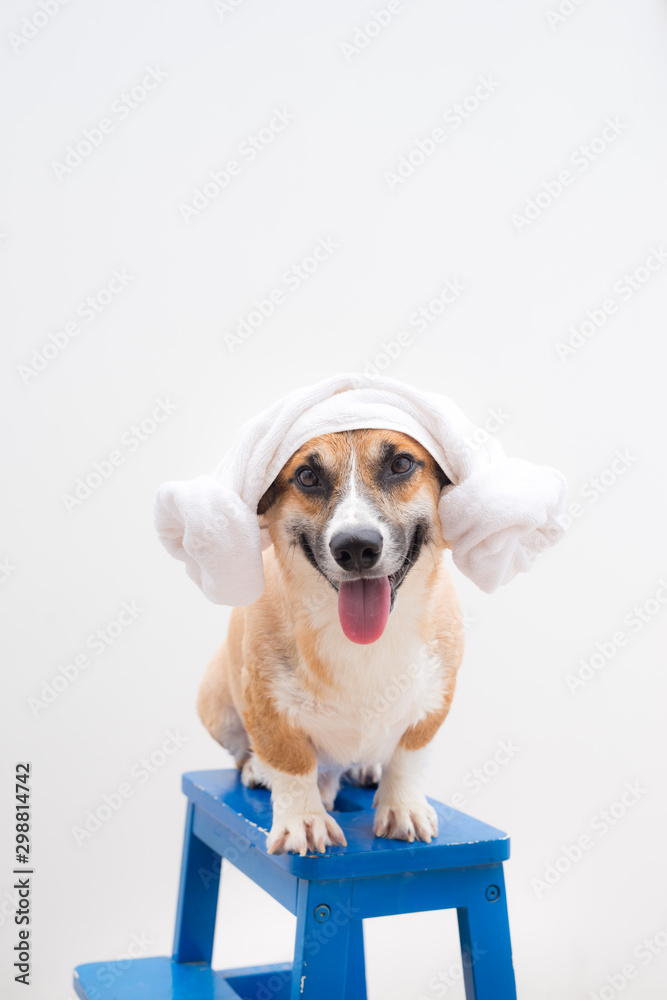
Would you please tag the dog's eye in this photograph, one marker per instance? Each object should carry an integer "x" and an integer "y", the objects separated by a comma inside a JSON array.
[
  {"x": 306, "y": 477},
  {"x": 401, "y": 465}
]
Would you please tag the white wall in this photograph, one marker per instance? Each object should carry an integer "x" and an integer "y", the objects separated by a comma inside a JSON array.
[{"x": 550, "y": 89}]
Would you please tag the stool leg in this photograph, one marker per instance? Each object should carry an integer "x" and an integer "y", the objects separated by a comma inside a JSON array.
[
  {"x": 355, "y": 988},
  {"x": 197, "y": 898},
  {"x": 486, "y": 948},
  {"x": 323, "y": 929}
]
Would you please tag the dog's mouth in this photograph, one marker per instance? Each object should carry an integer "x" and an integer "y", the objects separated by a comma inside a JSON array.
[
  {"x": 364, "y": 604},
  {"x": 397, "y": 578}
]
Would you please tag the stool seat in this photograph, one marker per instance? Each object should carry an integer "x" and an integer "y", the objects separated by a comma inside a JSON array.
[
  {"x": 331, "y": 894},
  {"x": 461, "y": 840}
]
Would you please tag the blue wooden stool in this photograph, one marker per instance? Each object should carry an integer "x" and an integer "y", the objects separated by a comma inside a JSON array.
[{"x": 330, "y": 894}]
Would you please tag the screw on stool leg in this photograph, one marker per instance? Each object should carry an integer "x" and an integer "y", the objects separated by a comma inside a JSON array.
[
  {"x": 486, "y": 949},
  {"x": 321, "y": 945}
]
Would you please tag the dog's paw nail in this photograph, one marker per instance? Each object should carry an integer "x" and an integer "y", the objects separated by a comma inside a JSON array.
[
  {"x": 334, "y": 832},
  {"x": 411, "y": 822},
  {"x": 300, "y": 834},
  {"x": 276, "y": 845}
]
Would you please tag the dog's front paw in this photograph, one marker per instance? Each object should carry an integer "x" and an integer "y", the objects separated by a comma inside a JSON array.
[
  {"x": 251, "y": 774},
  {"x": 406, "y": 821},
  {"x": 305, "y": 832}
]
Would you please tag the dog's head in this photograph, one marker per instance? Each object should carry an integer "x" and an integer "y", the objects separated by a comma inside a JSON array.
[{"x": 358, "y": 507}]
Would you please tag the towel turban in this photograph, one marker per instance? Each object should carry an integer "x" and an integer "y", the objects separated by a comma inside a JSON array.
[{"x": 497, "y": 514}]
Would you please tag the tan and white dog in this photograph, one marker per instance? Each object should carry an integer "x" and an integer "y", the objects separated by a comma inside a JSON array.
[{"x": 358, "y": 607}]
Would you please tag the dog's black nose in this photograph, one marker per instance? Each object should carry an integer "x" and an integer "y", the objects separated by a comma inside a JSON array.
[{"x": 354, "y": 551}]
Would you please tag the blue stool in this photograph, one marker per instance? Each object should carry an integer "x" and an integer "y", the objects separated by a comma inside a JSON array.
[{"x": 330, "y": 894}]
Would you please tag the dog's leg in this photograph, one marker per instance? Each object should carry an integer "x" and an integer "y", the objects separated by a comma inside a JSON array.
[
  {"x": 328, "y": 782},
  {"x": 252, "y": 775},
  {"x": 300, "y": 821},
  {"x": 226, "y": 727},
  {"x": 364, "y": 776},
  {"x": 216, "y": 709},
  {"x": 402, "y": 811}
]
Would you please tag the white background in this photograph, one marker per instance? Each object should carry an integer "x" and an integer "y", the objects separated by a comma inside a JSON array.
[{"x": 67, "y": 572}]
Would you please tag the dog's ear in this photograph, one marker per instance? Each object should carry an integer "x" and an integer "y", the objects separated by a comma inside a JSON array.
[
  {"x": 443, "y": 479},
  {"x": 268, "y": 499}
]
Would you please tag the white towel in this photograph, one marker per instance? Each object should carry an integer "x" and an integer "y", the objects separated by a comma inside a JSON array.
[{"x": 497, "y": 514}]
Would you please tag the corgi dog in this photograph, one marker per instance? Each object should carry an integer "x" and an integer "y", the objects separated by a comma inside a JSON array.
[{"x": 348, "y": 661}]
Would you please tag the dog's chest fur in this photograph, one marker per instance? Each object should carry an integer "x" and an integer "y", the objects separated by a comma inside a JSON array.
[{"x": 374, "y": 692}]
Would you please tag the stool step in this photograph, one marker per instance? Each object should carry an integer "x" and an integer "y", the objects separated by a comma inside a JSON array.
[{"x": 164, "y": 979}]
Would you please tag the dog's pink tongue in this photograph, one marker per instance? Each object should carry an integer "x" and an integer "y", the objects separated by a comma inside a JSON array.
[{"x": 363, "y": 608}]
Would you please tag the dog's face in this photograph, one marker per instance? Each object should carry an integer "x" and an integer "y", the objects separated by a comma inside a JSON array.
[{"x": 359, "y": 507}]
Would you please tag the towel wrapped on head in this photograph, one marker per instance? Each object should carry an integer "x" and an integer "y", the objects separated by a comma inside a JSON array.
[{"x": 497, "y": 513}]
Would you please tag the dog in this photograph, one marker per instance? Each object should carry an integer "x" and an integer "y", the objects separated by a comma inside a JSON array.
[{"x": 348, "y": 661}]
